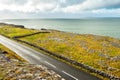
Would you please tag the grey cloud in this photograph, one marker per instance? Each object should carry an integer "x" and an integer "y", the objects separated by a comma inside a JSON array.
[
  {"x": 70, "y": 2},
  {"x": 60, "y": 5},
  {"x": 89, "y": 5},
  {"x": 99, "y": 4}
]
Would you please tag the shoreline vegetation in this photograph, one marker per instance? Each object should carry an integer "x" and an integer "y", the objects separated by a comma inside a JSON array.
[{"x": 99, "y": 52}]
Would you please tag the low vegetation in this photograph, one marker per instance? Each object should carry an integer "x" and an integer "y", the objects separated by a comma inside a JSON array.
[
  {"x": 13, "y": 67},
  {"x": 12, "y": 31},
  {"x": 100, "y": 52}
]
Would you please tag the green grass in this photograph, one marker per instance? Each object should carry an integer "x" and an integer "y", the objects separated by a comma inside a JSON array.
[
  {"x": 14, "y": 31},
  {"x": 95, "y": 51}
]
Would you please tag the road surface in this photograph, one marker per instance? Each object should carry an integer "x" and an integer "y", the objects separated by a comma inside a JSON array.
[{"x": 66, "y": 71}]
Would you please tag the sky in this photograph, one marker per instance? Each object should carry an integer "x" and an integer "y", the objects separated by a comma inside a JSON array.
[{"x": 59, "y": 8}]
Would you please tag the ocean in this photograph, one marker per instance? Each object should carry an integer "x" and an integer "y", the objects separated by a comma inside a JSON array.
[{"x": 96, "y": 26}]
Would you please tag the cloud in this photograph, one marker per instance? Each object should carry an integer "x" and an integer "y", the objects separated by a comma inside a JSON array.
[
  {"x": 93, "y": 5},
  {"x": 59, "y": 7},
  {"x": 27, "y": 5},
  {"x": 56, "y": 5}
]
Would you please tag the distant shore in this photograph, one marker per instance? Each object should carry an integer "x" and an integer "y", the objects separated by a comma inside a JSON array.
[{"x": 97, "y": 26}]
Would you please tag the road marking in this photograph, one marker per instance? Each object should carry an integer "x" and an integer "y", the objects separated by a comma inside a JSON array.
[
  {"x": 70, "y": 75},
  {"x": 50, "y": 64}
]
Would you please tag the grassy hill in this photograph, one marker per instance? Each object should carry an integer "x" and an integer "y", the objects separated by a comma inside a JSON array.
[{"x": 100, "y": 52}]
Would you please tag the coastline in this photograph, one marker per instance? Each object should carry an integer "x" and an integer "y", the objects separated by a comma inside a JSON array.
[
  {"x": 105, "y": 27},
  {"x": 84, "y": 36}
]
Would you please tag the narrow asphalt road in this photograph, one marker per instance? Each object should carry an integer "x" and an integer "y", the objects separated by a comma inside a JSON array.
[{"x": 66, "y": 71}]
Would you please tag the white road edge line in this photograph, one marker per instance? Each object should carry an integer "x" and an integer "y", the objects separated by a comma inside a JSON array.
[
  {"x": 70, "y": 75},
  {"x": 50, "y": 64}
]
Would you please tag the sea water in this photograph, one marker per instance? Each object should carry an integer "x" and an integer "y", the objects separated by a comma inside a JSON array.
[{"x": 96, "y": 26}]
